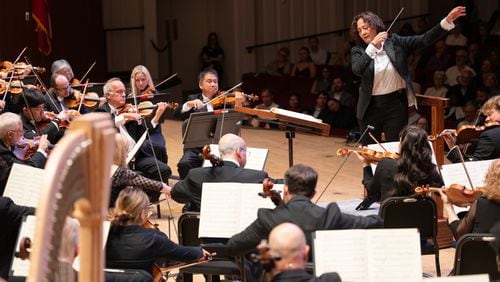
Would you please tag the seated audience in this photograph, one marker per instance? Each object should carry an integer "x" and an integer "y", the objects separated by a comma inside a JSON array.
[
  {"x": 323, "y": 82},
  {"x": 339, "y": 92},
  {"x": 340, "y": 116},
  {"x": 438, "y": 89},
  {"x": 305, "y": 67},
  {"x": 282, "y": 65},
  {"x": 454, "y": 71},
  {"x": 267, "y": 98},
  {"x": 294, "y": 103},
  {"x": 319, "y": 56}
]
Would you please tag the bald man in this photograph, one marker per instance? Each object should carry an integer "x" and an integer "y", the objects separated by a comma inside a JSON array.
[
  {"x": 233, "y": 151},
  {"x": 287, "y": 244}
]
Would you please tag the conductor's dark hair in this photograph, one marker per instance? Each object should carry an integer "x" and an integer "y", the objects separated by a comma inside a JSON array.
[{"x": 371, "y": 19}]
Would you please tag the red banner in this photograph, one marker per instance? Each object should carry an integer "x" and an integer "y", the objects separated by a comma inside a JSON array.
[{"x": 40, "y": 12}]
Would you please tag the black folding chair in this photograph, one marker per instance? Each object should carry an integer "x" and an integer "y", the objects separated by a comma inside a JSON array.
[
  {"x": 188, "y": 236},
  {"x": 420, "y": 213},
  {"x": 476, "y": 255},
  {"x": 127, "y": 275}
]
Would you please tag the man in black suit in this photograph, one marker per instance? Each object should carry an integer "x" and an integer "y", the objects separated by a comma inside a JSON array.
[
  {"x": 132, "y": 126},
  {"x": 488, "y": 145},
  {"x": 289, "y": 252},
  {"x": 381, "y": 62},
  {"x": 233, "y": 153},
  {"x": 300, "y": 187},
  {"x": 209, "y": 86}
]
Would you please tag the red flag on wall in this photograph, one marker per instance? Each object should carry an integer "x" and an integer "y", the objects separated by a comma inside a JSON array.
[{"x": 40, "y": 12}]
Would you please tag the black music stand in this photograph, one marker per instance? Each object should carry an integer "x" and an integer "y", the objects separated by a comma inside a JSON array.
[{"x": 208, "y": 127}]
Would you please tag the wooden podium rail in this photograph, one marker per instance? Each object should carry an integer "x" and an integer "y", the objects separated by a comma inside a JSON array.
[
  {"x": 288, "y": 120},
  {"x": 437, "y": 106}
]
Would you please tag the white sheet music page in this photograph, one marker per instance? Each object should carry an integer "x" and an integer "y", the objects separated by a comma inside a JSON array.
[
  {"x": 21, "y": 268},
  {"x": 256, "y": 157},
  {"x": 455, "y": 173},
  {"x": 460, "y": 278},
  {"x": 369, "y": 255},
  {"x": 24, "y": 190},
  {"x": 228, "y": 208},
  {"x": 295, "y": 115}
]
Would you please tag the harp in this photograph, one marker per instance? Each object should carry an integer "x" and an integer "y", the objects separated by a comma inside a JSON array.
[{"x": 77, "y": 182}]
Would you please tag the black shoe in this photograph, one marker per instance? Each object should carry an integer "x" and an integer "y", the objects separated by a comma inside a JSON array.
[{"x": 365, "y": 204}]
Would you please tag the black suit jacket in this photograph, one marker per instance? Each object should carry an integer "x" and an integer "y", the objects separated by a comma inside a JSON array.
[
  {"x": 54, "y": 133},
  {"x": 487, "y": 148},
  {"x": 398, "y": 49},
  {"x": 300, "y": 275},
  {"x": 189, "y": 189},
  {"x": 302, "y": 212}
]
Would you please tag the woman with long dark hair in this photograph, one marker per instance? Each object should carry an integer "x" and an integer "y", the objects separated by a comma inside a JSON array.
[{"x": 399, "y": 177}]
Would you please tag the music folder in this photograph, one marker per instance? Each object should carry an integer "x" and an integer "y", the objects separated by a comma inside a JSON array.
[{"x": 208, "y": 127}]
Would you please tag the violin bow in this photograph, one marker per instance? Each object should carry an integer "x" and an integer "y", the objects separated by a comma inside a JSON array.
[
  {"x": 463, "y": 165},
  {"x": 88, "y": 71},
  {"x": 376, "y": 141},
  {"x": 165, "y": 80},
  {"x": 83, "y": 95},
  {"x": 51, "y": 99},
  {"x": 12, "y": 76},
  {"x": 400, "y": 12}
]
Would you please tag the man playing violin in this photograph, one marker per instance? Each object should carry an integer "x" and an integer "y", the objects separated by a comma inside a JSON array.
[
  {"x": 35, "y": 123},
  {"x": 11, "y": 132},
  {"x": 132, "y": 126},
  {"x": 488, "y": 145},
  {"x": 60, "y": 93},
  {"x": 209, "y": 86},
  {"x": 233, "y": 152}
]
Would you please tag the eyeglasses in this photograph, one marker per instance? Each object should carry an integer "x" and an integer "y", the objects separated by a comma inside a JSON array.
[
  {"x": 121, "y": 91},
  {"x": 62, "y": 88}
]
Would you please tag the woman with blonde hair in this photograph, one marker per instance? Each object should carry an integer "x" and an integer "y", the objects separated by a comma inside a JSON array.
[
  {"x": 483, "y": 213},
  {"x": 124, "y": 177},
  {"x": 141, "y": 81},
  {"x": 132, "y": 246}
]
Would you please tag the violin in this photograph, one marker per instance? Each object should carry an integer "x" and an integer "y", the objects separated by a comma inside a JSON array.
[
  {"x": 230, "y": 98},
  {"x": 466, "y": 133},
  {"x": 370, "y": 155},
  {"x": 267, "y": 191},
  {"x": 25, "y": 148},
  {"x": 90, "y": 99},
  {"x": 145, "y": 108},
  {"x": 457, "y": 194},
  {"x": 50, "y": 116},
  {"x": 214, "y": 160},
  {"x": 19, "y": 68},
  {"x": 265, "y": 258},
  {"x": 157, "y": 271}
]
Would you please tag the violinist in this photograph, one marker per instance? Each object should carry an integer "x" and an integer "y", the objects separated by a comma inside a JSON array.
[
  {"x": 11, "y": 132},
  {"x": 287, "y": 252},
  {"x": 60, "y": 93},
  {"x": 233, "y": 151},
  {"x": 34, "y": 120},
  {"x": 483, "y": 213},
  {"x": 488, "y": 145},
  {"x": 208, "y": 84},
  {"x": 132, "y": 126},
  {"x": 299, "y": 188},
  {"x": 132, "y": 246},
  {"x": 63, "y": 67},
  {"x": 399, "y": 177},
  {"x": 142, "y": 83}
]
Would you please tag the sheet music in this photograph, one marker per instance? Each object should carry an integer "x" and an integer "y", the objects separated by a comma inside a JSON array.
[
  {"x": 23, "y": 190},
  {"x": 256, "y": 157},
  {"x": 228, "y": 208},
  {"x": 394, "y": 147},
  {"x": 455, "y": 173},
  {"x": 295, "y": 115},
  {"x": 21, "y": 268},
  {"x": 369, "y": 255},
  {"x": 460, "y": 278}
]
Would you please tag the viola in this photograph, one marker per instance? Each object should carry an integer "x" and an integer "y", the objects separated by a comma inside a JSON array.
[
  {"x": 25, "y": 148},
  {"x": 370, "y": 155},
  {"x": 267, "y": 191},
  {"x": 145, "y": 108},
  {"x": 457, "y": 194},
  {"x": 230, "y": 98},
  {"x": 206, "y": 154}
]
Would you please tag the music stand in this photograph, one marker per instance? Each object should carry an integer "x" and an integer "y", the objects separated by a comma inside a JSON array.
[{"x": 208, "y": 127}]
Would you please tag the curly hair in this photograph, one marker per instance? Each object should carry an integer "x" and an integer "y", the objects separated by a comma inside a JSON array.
[
  {"x": 492, "y": 182},
  {"x": 415, "y": 162},
  {"x": 371, "y": 19}
]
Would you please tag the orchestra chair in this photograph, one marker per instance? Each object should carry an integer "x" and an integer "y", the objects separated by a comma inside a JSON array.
[
  {"x": 411, "y": 212},
  {"x": 126, "y": 275},
  {"x": 475, "y": 254},
  {"x": 221, "y": 264}
]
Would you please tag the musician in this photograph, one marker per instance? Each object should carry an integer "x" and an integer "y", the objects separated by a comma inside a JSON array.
[
  {"x": 142, "y": 83},
  {"x": 289, "y": 251},
  {"x": 63, "y": 67},
  {"x": 233, "y": 151},
  {"x": 132, "y": 126},
  {"x": 483, "y": 213},
  {"x": 208, "y": 84},
  {"x": 299, "y": 188},
  {"x": 34, "y": 120},
  {"x": 132, "y": 246},
  {"x": 399, "y": 177},
  {"x": 381, "y": 62},
  {"x": 11, "y": 132},
  {"x": 124, "y": 177},
  {"x": 488, "y": 145}
]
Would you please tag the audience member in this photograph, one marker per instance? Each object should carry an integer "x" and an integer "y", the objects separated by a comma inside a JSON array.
[
  {"x": 339, "y": 91},
  {"x": 454, "y": 71},
  {"x": 319, "y": 56},
  {"x": 490, "y": 81},
  {"x": 422, "y": 123},
  {"x": 282, "y": 65},
  {"x": 482, "y": 95},
  {"x": 456, "y": 38},
  {"x": 294, "y": 103},
  {"x": 464, "y": 90},
  {"x": 323, "y": 82},
  {"x": 319, "y": 110},
  {"x": 212, "y": 56},
  {"x": 305, "y": 67},
  {"x": 438, "y": 89},
  {"x": 340, "y": 116},
  {"x": 267, "y": 98}
]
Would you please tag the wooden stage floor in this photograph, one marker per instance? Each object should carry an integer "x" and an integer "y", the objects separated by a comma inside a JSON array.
[{"x": 313, "y": 150}]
